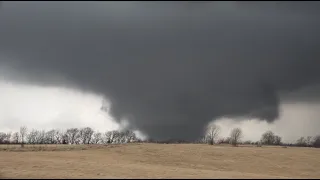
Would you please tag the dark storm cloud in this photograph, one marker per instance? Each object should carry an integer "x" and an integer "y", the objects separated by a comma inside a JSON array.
[{"x": 170, "y": 67}]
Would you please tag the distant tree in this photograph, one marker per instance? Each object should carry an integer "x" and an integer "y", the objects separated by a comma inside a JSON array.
[
  {"x": 23, "y": 133},
  {"x": 50, "y": 137},
  {"x": 85, "y": 135},
  {"x": 224, "y": 140},
  {"x": 8, "y": 137},
  {"x": 59, "y": 136},
  {"x": 309, "y": 141},
  {"x": 221, "y": 141},
  {"x": 257, "y": 142},
  {"x": 36, "y": 137},
  {"x": 15, "y": 137},
  {"x": 277, "y": 140},
  {"x": 32, "y": 136},
  {"x": 107, "y": 137},
  {"x": 301, "y": 142},
  {"x": 201, "y": 140},
  {"x": 227, "y": 140},
  {"x": 121, "y": 138},
  {"x": 128, "y": 136},
  {"x": 97, "y": 138},
  {"x": 65, "y": 139},
  {"x": 235, "y": 136},
  {"x": 111, "y": 137},
  {"x": 212, "y": 133},
  {"x": 316, "y": 141},
  {"x": 268, "y": 138},
  {"x": 73, "y": 135},
  {"x": 40, "y": 138},
  {"x": 247, "y": 142},
  {"x": 3, "y": 137}
]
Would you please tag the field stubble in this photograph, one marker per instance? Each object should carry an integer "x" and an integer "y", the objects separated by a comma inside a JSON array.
[{"x": 148, "y": 160}]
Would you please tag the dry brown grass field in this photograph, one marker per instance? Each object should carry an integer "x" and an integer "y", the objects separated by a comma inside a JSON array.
[{"x": 158, "y": 161}]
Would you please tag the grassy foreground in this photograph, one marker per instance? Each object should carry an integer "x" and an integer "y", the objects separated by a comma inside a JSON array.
[{"x": 159, "y": 161}]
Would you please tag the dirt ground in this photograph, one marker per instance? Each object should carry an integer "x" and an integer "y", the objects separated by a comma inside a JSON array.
[{"x": 163, "y": 161}]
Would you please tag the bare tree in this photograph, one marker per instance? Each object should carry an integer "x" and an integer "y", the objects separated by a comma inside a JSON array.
[
  {"x": 2, "y": 137},
  {"x": 40, "y": 138},
  {"x": 73, "y": 135},
  {"x": 277, "y": 140},
  {"x": 221, "y": 140},
  {"x": 111, "y": 137},
  {"x": 58, "y": 137},
  {"x": 8, "y": 137},
  {"x": 132, "y": 137},
  {"x": 97, "y": 138},
  {"x": 107, "y": 137},
  {"x": 65, "y": 139},
  {"x": 309, "y": 141},
  {"x": 15, "y": 137},
  {"x": 128, "y": 136},
  {"x": 248, "y": 142},
  {"x": 201, "y": 140},
  {"x": 121, "y": 137},
  {"x": 36, "y": 137},
  {"x": 235, "y": 136},
  {"x": 224, "y": 140},
  {"x": 301, "y": 142},
  {"x": 50, "y": 137},
  {"x": 268, "y": 138},
  {"x": 23, "y": 133},
  {"x": 32, "y": 136},
  {"x": 212, "y": 133},
  {"x": 316, "y": 141},
  {"x": 85, "y": 135}
]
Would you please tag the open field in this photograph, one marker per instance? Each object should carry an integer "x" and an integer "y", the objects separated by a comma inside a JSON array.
[{"x": 161, "y": 161}]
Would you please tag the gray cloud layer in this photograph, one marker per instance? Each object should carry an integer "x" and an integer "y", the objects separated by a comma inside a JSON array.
[{"x": 170, "y": 67}]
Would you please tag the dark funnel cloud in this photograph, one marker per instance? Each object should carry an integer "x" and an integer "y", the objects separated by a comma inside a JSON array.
[{"x": 167, "y": 67}]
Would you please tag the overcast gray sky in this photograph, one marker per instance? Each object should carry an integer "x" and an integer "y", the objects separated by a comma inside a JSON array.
[{"x": 168, "y": 68}]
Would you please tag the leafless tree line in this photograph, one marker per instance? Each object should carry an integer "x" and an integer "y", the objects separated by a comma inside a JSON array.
[
  {"x": 268, "y": 138},
  {"x": 71, "y": 136},
  {"x": 88, "y": 136},
  {"x": 212, "y": 133},
  {"x": 309, "y": 141}
]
